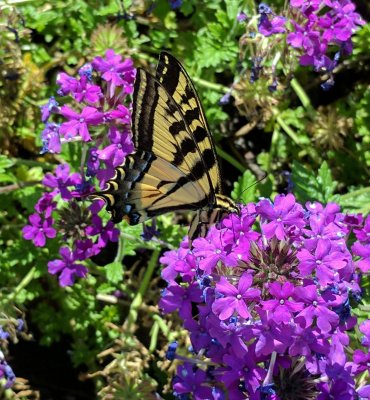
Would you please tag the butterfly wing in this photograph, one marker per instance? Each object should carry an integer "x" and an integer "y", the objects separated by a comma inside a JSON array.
[
  {"x": 178, "y": 84},
  {"x": 169, "y": 170}
]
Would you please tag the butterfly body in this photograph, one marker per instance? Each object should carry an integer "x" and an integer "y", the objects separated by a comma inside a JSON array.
[{"x": 175, "y": 165}]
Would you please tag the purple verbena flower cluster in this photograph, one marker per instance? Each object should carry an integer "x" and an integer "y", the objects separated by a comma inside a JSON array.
[
  {"x": 319, "y": 31},
  {"x": 93, "y": 113},
  {"x": 266, "y": 298}
]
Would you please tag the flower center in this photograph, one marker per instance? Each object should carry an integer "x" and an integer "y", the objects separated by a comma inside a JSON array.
[
  {"x": 239, "y": 296},
  {"x": 282, "y": 301},
  {"x": 218, "y": 251},
  {"x": 82, "y": 119},
  {"x": 314, "y": 303},
  {"x": 318, "y": 262}
]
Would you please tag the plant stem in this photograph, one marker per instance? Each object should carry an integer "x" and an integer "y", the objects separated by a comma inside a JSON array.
[
  {"x": 302, "y": 95},
  {"x": 138, "y": 299},
  {"x": 22, "y": 284},
  {"x": 230, "y": 159}
]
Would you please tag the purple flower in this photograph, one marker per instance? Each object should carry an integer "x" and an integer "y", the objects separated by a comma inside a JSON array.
[
  {"x": 307, "y": 341},
  {"x": 46, "y": 205},
  {"x": 363, "y": 234},
  {"x": 365, "y": 329},
  {"x": 67, "y": 267},
  {"x": 241, "y": 17},
  {"x": 50, "y": 137},
  {"x": 174, "y": 4},
  {"x": 270, "y": 336},
  {"x": 122, "y": 114},
  {"x": 66, "y": 83},
  {"x": 192, "y": 380},
  {"x": 268, "y": 27},
  {"x": 47, "y": 109},
  {"x": 78, "y": 123},
  {"x": 116, "y": 72},
  {"x": 315, "y": 307},
  {"x": 62, "y": 180},
  {"x": 245, "y": 368},
  {"x": 325, "y": 262},
  {"x": 305, "y": 38},
  {"x": 234, "y": 299},
  {"x": 212, "y": 252},
  {"x": 85, "y": 91},
  {"x": 177, "y": 297},
  {"x": 121, "y": 146},
  {"x": 281, "y": 307},
  {"x": 6, "y": 373},
  {"x": 93, "y": 163},
  {"x": 39, "y": 230},
  {"x": 285, "y": 212},
  {"x": 85, "y": 249},
  {"x": 107, "y": 233},
  {"x": 320, "y": 230}
]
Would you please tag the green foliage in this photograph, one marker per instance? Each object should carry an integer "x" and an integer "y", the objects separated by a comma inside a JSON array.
[{"x": 309, "y": 185}]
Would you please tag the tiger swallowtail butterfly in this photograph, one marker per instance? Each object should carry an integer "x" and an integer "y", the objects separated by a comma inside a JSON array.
[{"x": 174, "y": 166}]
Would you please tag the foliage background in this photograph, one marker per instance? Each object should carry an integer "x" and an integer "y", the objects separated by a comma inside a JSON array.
[{"x": 316, "y": 142}]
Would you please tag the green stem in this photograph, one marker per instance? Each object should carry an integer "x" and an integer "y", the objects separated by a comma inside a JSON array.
[
  {"x": 22, "y": 284},
  {"x": 288, "y": 130},
  {"x": 230, "y": 159},
  {"x": 210, "y": 85},
  {"x": 138, "y": 299},
  {"x": 302, "y": 95},
  {"x": 154, "y": 337}
]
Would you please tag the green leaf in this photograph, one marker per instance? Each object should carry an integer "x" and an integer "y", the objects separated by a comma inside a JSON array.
[
  {"x": 114, "y": 271},
  {"x": 232, "y": 8},
  {"x": 245, "y": 188},
  {"x": 5, "y": 163},
  {"x": 311, "y": 186},
  {"x": 356, "y": 201}
]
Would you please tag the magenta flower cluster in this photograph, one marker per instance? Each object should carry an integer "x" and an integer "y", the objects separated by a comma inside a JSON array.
[
  {"x": 266, "y": 298},
  {"x": 319, "y": 30},
  {"x": 93, "y": 112}
]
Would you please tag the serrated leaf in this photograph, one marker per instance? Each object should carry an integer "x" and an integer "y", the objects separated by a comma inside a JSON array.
[
  {"x": 114, "y": 271},
  {"x": 245, "y": 188},
  {"x": 309, "y": 186},
  {"x": 326, "y": 181},
  {"x": 356, "y": 201}
]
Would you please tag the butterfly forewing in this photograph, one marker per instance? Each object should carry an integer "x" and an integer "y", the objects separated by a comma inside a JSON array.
[{"x": 173, "y": 77}]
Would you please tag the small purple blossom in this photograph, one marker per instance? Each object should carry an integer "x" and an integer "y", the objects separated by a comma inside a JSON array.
[
  {"x": 39, "y": 230},
  {"x": 121, "y": 145},
  {"x": 190, "y": 379},
  {"x": 234, "y": 298},
  {"x": 50, "y": 137},
  {"x": 47, "y": 109},
  {"x": 62, "y": 180},
  {"x": 115, "y": 71},
  {"x": 79, "y": 123},
  {"x": 67, "y": 267},
  {"x": 285, "y": 212},
  {"x": 85, "y": 91}
]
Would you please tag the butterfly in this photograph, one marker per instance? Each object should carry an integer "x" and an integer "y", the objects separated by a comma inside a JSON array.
[{"x": 174, "y": 166}]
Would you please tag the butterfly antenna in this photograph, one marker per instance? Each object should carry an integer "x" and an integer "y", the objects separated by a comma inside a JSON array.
[{"x": 253, "y": 184}]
